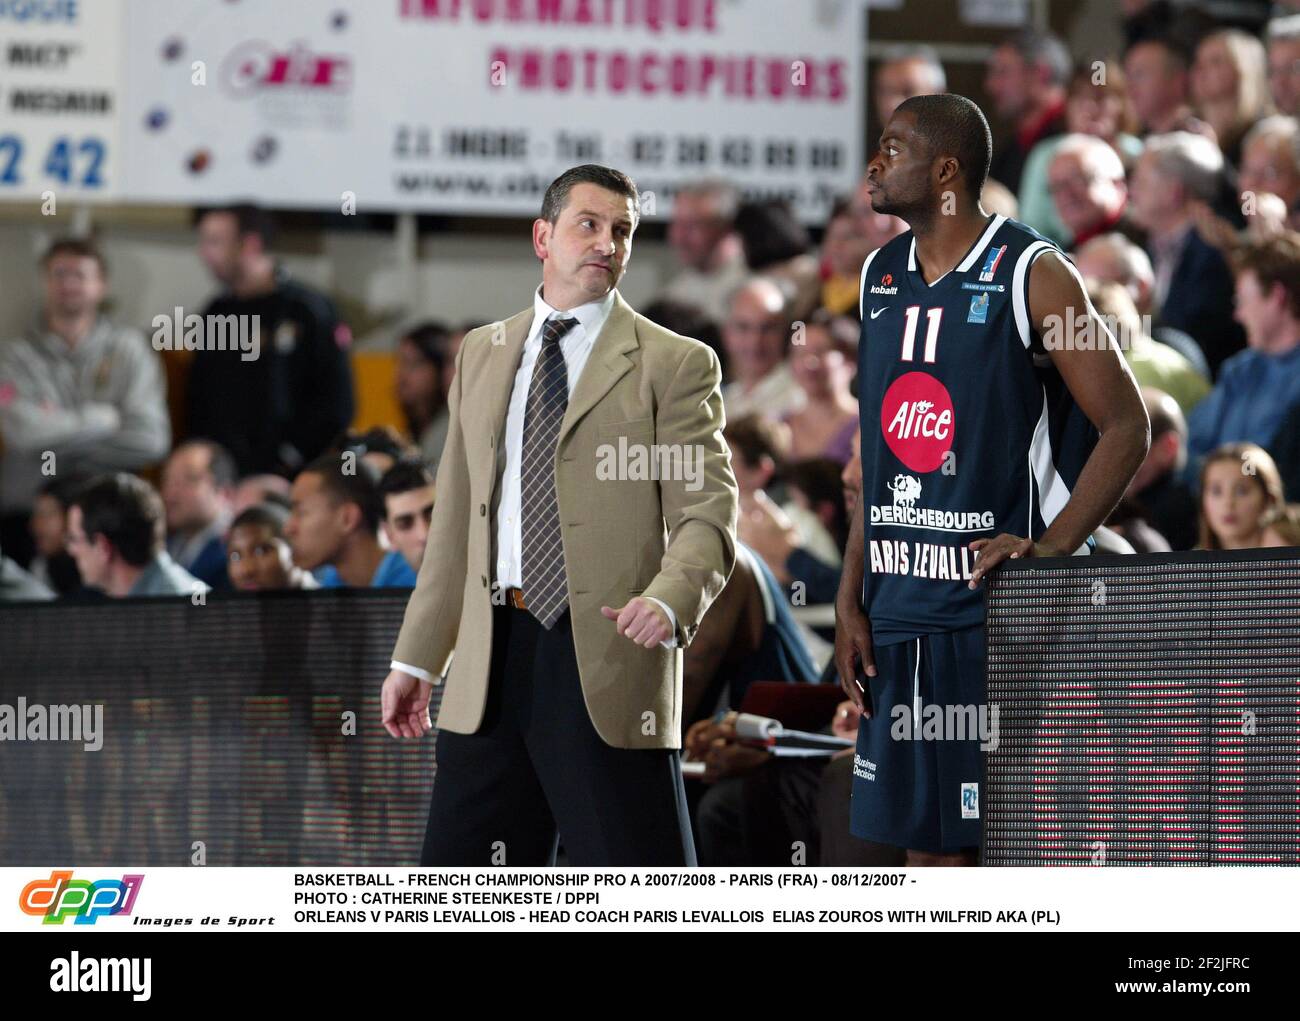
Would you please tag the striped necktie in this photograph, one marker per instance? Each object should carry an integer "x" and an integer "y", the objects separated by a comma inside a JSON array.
[{"x": 544, "y": 581}]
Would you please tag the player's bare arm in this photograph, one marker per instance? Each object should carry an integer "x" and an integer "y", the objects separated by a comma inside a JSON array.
[
  {"x": 852, "y": 630},
  {"x": 1103, "y": 386}
]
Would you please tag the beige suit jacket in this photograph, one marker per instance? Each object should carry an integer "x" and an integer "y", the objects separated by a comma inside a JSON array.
[{"x": 666, "y": 534}]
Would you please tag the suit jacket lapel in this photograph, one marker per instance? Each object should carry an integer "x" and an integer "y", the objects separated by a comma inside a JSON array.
[{"x": 606, "y": 365}]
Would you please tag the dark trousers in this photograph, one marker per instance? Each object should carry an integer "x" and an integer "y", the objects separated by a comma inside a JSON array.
[{"x": 536, "y": 770}]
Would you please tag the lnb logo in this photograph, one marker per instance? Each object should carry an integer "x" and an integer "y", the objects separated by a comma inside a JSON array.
[{"x": 86, "y": 901}]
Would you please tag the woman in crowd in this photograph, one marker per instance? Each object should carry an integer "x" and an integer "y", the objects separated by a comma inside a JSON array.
[
  {"x": 824, "y": 365},
  {"x": 1230, "y": 86},
  {"x": 1242, "y": 504}
]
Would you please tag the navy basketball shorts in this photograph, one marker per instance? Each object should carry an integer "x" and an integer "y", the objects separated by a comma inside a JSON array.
[{"x": 918, "y": 769}]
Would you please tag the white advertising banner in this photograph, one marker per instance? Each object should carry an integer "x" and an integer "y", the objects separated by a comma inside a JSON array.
[
  {"x": 60, "y": 99},
  {"x": 473, "y": 106}
]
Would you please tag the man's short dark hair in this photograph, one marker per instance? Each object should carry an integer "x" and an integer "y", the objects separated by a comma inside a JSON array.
[
  {"x": 249, "y": 219},
  {"x": 770, "y": 233},
  {"x": 266, "y": 515},
  {"x": 64, "y": 488},
  {"x": 433, "y": 340},
  {"x": 557, "y": 195},
  {"x": 360, "y": 485},
  {"x": 406, "y": 475},
  {"x": 1274, "y": 260},
  {"x": 1177, "y": 52},
  {"x": 954, "y": 126},
  {"x": 378, "y": 439},
  {"x": 82, "y": 248},
  {"x": 690, "y": 321},
  {"x": 1043, "y": 49},
  {"x": 127, "y": 512},
  {"x": 221, "y": 462},
  {"x": 755, "y": 437}
]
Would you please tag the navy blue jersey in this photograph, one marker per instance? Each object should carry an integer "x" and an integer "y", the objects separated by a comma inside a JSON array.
[{"x": 968, "y": 431}]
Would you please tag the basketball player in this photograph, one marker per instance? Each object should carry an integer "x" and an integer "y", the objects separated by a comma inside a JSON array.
[{"x": 997, "y": 421}]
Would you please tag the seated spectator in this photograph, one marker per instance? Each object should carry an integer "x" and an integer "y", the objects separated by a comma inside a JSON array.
[
  {"x": 1158, "y": 497},
  {"x": 756, "y": 808},
  {"x": 334, "y": 526},
  {"x": 115, "y": 534},
  {"x": 53, "y": 566},
  {"x": 709, "y": 254},
  {"x": 422, "y": 384},
  {"x": 407, "y": 492},
  {"x": 198, "y": 481},
  {"x": 1157, "y": 72},
  {"x": 756, "y": 336},
  {"x": 777, "y": 246},
  {"x": 1284, "y": 64},
  {"x": 814, "y": 496},
  {"x": 1086, "y": 181},
  {"x": 1153, "y": 364},
  {"x": 749, "y": 634},
  {"x": 772, "y": 534},
  {"x": 1116, "y": 259},
  {"x": 1259, "y": 387},
  {"x": 1026, "y": 77},
  {"x": 1241, "y": 493},
  {"x": 1268, "y": 187},
  {"x": 875, "y": 228},
  {"x": 823, "y": 366},
  {"x": 759, "y": 809},
  {"x": 758, "y": 453},
  {"x": 904, "y": 72},
  {"x": 1230, "y": 86},
  {"x": 77, "y": 393},
  {"x": 258, "y": 556},
  {"x": 1101, "y": 111},
  {"x": 844, "y": 250},
  {"x": 1270, "y": 160},
  {"x": 254, "y": 489},
  {"x": 1174, "y": 177}
]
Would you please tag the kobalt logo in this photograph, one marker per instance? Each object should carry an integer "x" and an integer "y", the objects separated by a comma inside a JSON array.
[{"x": 916, "y": 417}]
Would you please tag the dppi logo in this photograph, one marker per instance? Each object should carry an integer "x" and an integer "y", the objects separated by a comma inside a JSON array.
[
  {"x": 255, "y": 66},
  {"x": 60, "y": 896},
  {"x": 917, "y": 420}
]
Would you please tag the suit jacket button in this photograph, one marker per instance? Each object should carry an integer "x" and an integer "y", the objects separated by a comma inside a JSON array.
[
  {"x": 482, "y": 510},
  {"x": 484, "y": 577}
]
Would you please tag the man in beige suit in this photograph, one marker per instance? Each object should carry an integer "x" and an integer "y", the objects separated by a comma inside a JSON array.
[{"x": 585, "y": 521}]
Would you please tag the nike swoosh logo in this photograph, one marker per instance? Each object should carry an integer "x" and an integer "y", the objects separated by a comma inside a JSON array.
[{"x": 876, "y": 311}]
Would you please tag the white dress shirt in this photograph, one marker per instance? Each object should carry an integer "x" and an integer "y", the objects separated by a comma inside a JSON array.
[{"x": 576, "y": 346}]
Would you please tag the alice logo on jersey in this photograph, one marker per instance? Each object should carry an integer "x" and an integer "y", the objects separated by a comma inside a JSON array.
[{"x": 916, "y": 417}]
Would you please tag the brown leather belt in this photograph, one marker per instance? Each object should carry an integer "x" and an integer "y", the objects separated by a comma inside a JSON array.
[{"x": 515, "y": 597}]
